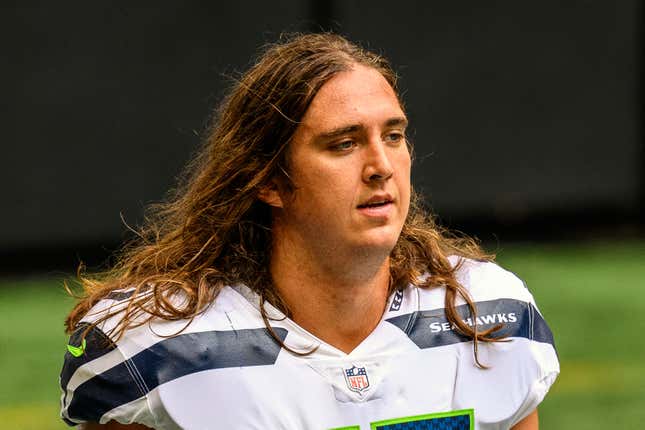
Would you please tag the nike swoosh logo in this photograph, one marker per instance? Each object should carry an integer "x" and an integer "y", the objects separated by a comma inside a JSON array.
[{"x": 77, "y": 351}]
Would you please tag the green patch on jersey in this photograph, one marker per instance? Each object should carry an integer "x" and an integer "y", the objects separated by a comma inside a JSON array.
[
  {"x": 77, "y": 351},
  {"x": 456, "y": 420}
]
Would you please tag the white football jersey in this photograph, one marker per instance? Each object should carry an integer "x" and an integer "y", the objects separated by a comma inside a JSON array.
[{"x": 225, "y": 371}]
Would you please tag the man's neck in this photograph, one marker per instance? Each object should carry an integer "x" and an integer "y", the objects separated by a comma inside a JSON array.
[{"x": 337, "y": 305}]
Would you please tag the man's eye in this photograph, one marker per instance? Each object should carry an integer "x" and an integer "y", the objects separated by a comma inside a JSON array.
[
  {"x": 394, "y": 137},
  {"x": 343, "y": 146}
]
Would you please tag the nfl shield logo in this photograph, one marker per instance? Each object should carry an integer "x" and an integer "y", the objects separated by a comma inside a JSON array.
[{"x": 356, "y": 378}]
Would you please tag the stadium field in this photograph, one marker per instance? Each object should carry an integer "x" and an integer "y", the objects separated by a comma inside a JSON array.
[{"x": 592, "y": 295}]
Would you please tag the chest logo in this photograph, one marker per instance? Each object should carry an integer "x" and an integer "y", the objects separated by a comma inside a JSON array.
[{"x": 356, "y": 379}]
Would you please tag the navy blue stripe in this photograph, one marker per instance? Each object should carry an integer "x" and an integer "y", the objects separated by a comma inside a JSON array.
[
  {"x": 170, "y": 359},
  {"x": 119, "y": 295},
  {"x": 429, "y": 329}
]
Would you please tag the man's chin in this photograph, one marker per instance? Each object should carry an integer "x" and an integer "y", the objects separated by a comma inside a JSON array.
[{"x": 380, "y": 244}]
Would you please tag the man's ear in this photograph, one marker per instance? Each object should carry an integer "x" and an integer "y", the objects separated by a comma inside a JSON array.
[{"x": 270, "y": 195}]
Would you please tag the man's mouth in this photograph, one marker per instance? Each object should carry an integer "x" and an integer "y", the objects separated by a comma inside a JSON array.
[
  {"x": 374, "y": 204},
  {"x": 376, "y": 201}
]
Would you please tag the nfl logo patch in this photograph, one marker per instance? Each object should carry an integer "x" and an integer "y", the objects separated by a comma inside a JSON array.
[{"x": 356, "y": 378}]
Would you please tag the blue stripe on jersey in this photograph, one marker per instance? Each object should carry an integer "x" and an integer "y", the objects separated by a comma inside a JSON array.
[
  {"x": 428, "y": 329},
  {"x": 119, "y": 295},
  {"x": 170, "y": 359}
]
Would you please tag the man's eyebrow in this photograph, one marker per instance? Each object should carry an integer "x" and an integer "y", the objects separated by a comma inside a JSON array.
[
  {"x": 392, "y": 122},
  {"x": 400, "y": 121},
  {"x": 340, "y": 131}
]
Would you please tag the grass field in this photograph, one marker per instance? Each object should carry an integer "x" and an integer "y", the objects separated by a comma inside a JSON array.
[{"x": 592, "y": 295}]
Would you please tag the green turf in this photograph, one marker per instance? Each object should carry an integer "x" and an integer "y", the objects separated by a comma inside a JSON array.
[
  {"x": 32, "y": 345},
  {"x": 592, "y": 295}
]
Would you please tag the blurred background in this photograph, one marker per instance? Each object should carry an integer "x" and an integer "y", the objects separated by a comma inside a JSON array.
[{"x": 527, "y": 121}]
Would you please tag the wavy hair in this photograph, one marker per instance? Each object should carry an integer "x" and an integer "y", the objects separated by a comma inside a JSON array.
[{"x": 214, "y": 231}]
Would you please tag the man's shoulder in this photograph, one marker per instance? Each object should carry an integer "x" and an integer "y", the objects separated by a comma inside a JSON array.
[
  {"x": 499, "y": 297},
  {"x": 106, "y": 371},
  {"x": 483, "y": 280},
  {"x": 487, "y": 280},
  {"x": 228, "y": 311}
]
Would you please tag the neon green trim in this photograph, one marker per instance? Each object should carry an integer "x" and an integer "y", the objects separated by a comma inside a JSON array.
[
  {"x": 347, "y": 428},
  {"x": 470, "y": 412},
  {"x": 77, "y": 351}
]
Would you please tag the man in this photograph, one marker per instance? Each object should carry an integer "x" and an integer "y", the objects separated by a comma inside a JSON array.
[{"x": 295, "y": 283}]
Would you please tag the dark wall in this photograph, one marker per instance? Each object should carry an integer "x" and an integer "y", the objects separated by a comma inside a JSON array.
[
  {"x": 517, "y": 108},
  {"x": 105, "y": 105}
]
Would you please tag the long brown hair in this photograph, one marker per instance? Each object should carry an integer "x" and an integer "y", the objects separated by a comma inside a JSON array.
[{"x": 213, "y": 231}]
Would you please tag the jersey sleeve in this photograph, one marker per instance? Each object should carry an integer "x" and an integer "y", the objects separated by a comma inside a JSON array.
[
  {"x": 99, "y": 384},
  {"x": 522, "y": 367},
  {"x": 542, "y": 365}
]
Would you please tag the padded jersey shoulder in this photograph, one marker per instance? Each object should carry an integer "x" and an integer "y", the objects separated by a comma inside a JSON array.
[
  {"x": 484, "y": 281},
  {"x": 500, "y": 298},
  {"x": 112, "y": 378}
]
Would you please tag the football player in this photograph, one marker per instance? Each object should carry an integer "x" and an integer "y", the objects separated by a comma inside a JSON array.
[{"x": 295, "y": 282}]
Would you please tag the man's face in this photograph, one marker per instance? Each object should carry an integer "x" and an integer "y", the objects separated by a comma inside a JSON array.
[{"x": 350, "y": 165}]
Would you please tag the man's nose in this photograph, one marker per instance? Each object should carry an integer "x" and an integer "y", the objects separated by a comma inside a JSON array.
[{"x": 377, "y": 162}]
